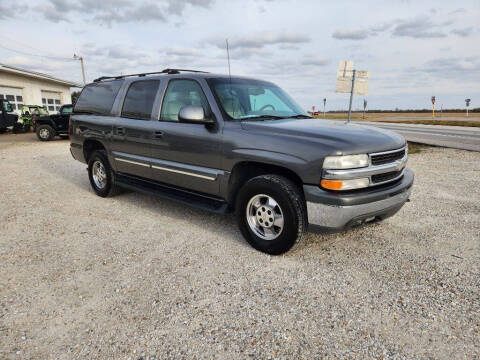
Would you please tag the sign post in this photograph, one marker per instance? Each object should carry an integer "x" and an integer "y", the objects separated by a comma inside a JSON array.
[
  {"x": 324, "y": 104},
  {"x": 467, "y": 103},
  {"x": 433, "y": 106},
  {"x": 364, "y": 107},
  {"x": 351, "y": 81}
]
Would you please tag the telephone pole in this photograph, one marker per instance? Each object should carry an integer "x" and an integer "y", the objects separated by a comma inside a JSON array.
[
  {"x": 76, "y": 57},
  {"x": 351, "y": 94}
]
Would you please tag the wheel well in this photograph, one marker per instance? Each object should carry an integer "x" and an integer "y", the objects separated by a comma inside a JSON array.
[
  {"x": 246, "y": 170},
  {"x": 89, "y": 146}
]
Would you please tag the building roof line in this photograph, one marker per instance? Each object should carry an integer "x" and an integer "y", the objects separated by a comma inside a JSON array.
[{"x": 13, "y": 69}]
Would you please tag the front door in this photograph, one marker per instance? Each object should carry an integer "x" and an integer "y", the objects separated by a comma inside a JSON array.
[{"x": 186, "y": 155}]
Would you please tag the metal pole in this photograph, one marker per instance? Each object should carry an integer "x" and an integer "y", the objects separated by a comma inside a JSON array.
[
  {"x": 351, "y": 96},
  {"x": 467, "y": 111},
  {"x": 83, "y": 71}
]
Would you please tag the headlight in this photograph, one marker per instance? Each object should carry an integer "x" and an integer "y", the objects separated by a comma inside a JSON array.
[
  {"x": 345, "y": 162},
  {"x": 345, "y": 184}
]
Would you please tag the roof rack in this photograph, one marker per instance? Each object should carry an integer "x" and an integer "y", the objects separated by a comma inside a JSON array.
[{"x": 164, "y": 71}]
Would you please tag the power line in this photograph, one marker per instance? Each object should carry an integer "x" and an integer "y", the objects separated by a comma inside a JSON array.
[{"x": 37, "y": 55}]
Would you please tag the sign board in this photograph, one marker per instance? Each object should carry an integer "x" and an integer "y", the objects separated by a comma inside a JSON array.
[
  {"x": 433, "y": 100},
  {"x": 344, "y": 79},
  {"x": 467, "y": 102}
]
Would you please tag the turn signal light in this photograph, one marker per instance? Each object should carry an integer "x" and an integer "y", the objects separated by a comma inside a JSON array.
[
  {"x": 345, "y": 184},
  {"x": 332, "y": 184}
]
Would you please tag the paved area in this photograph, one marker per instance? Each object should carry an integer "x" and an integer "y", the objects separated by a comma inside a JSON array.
[
  {"x": 136, "y": 277},
  {"x": 457, "y": 137}
]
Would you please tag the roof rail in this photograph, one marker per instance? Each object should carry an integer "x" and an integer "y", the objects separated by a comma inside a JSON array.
[{"x": 164, "y": 71}]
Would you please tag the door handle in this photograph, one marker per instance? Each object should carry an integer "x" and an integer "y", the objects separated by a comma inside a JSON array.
[
  {"x": 158, "y": 134},
  {"x": 120, "y": 131}
]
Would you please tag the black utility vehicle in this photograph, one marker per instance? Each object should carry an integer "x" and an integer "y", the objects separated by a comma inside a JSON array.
[
  {"x": 7, "y": 119},
  {"x": 236, "y": 144},
  {"x": 47, "y": 127}
]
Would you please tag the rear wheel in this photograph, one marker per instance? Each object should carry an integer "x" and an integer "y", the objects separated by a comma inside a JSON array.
[
  {"x": 45, "y": 133},
  {"x": 101, "y": 175},
  {"x": 271, "y": 213}
]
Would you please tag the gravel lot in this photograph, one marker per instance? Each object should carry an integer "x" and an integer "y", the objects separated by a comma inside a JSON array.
[{"x": 131, "y": 277}]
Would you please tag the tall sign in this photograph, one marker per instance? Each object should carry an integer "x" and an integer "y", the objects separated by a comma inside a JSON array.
[
  {"x": 433, "y": 106},
  {"x": 467, "y": 103},
  {"x": 364, "y": 107},
  {"x": 324, "y": 104},
  {"x": 351, "y": 81}
]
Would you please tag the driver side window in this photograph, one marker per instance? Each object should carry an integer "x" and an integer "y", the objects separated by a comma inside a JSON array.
[{"x": 181, "y": 93}]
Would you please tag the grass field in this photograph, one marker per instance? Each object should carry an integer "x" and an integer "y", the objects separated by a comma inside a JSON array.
[{"x": 452, "y": 119}]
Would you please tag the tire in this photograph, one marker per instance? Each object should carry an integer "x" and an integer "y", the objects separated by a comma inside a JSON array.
[
  {"x": 109, "y": 188},
  {"x": 17, "y": 128},
  {"x": 290, "y": 205},
  {"x": 45, "y": 133}
]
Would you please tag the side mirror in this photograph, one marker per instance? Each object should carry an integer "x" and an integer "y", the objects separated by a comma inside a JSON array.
[{"x": 194, "y": 115}]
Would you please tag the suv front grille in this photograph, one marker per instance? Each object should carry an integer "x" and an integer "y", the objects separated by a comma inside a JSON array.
[
  {"x": 387, "y": 158},
  {"x": 380, "y": 178}
]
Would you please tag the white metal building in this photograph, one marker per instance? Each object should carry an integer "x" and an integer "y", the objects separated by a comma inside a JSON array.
[{"x": 24, "y": 87}]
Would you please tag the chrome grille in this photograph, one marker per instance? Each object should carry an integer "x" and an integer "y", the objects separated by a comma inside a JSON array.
[
  {"x": 388, "y": 157},
  {"x": 380, "y": 178}
]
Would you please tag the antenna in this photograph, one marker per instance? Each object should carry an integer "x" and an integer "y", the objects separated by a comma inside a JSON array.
[
  {"x": 228, "y": 57},
  {"x": 230, "y": 76}
]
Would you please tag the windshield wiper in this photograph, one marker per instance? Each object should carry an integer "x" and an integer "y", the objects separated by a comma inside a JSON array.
[
  {"x": 263, "y": 117},
  {"x": 300, "y": 116}
]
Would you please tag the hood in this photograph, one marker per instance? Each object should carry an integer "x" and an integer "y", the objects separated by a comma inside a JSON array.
[{"x": 340, "y": 137}]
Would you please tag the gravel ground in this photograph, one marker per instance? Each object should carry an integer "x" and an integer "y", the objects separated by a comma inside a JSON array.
[{"x": 136, "y": 277}]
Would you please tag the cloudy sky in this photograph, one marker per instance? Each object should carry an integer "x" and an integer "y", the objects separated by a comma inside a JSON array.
[{"x": 413, "y": 49}]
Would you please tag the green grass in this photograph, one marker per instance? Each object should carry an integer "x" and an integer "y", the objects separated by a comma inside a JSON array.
[
  {"x": 415, "y": 148},
  {"x": 433, "y": 122}
]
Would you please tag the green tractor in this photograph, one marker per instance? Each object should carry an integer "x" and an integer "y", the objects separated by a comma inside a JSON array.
[{"x": 28, "y": 113}]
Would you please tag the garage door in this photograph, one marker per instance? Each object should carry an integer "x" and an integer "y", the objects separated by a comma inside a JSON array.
[
  {"x": 13, "y": 95},
  {"x": 51, "y": 100}
]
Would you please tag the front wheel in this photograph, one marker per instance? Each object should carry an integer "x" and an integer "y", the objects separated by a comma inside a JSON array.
[
  {"x": 45, "y": 133},
  {"x": 271, "y": 213}
]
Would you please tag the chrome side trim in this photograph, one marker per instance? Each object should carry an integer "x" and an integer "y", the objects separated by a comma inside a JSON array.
[
  {"x": 132, "y": 162},
  {"x": 396, "y": 165},
  {"x": 183, "y": 172}
]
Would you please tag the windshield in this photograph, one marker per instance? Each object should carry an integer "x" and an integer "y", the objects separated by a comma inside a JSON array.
[
  {"x": 37, "y": 111},
  {"x": 249, "y": 99},
  {"x": 67, "y": 110}
]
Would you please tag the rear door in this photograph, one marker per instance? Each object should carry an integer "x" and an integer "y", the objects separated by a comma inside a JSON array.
[
  {"x": 186, "y": 155},
  {"x": 132, "y": 131}
]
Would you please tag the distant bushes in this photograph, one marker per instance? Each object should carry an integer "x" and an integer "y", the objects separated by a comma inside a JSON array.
[{"x": 473, "y": 110}]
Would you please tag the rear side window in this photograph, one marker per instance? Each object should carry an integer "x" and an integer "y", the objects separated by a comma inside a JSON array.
[
  {"x": 138, "y": 103},
  {"x": 98, "y": 98}
]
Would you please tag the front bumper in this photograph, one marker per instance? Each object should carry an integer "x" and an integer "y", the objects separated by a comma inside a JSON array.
[{"x": 330, "y": 212}]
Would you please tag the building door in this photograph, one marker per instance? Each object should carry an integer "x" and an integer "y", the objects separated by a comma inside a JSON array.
[
  {"x": 51, "y": 101},
  {"x": 14, "y": 96}
]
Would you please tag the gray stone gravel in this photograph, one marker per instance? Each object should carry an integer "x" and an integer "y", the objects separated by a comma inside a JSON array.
[{"x": 131, "y": 277}]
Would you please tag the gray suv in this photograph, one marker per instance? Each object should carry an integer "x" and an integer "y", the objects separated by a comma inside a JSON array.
[{"x": 226, "y": 144}]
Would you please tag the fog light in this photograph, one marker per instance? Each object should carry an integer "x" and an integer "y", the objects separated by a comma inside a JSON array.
[{"x": 345, "y": 184}]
